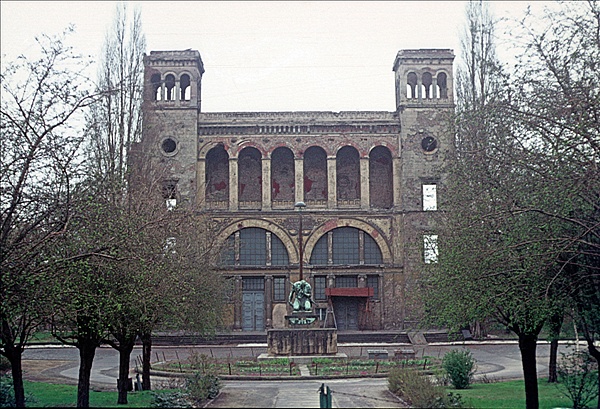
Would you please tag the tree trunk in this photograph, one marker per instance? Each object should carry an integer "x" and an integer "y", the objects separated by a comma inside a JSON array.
[
  {"x": 554, "y": 323},
  {"x": 87, "y": 351},
  {"x": 146, "y": 357},
  {"x": 14, "y": 356},
  {"x": 527, "y": 346},
  {"x": 552, "y": 373},
  {"x": 124, "y": 349}
]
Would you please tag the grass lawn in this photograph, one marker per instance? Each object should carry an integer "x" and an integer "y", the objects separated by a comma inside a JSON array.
[
  {"x": 511, "y": 394},
  {"x": 50, "y": 395},
  {"x": 497, "y": 395}
]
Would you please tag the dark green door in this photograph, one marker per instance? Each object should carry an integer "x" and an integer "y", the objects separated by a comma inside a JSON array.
[
  {"x": 346, "y": 313},
  {"x": 253, "y": 311}
]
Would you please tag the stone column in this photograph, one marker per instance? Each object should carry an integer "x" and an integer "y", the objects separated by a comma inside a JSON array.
[
  {"x": 269, "y": 301},
  {"x": 299, "y": 180},
  {"x": 201, "y": 183},
  {"x": 331, "y": 183},
  {"x": 233, "y": 184},
  {"x": 396, "y": 169},
  {"x": 237, "y": 306},
  {"x": 266, "y": 184},
  {"x": 364, "y": 184}
]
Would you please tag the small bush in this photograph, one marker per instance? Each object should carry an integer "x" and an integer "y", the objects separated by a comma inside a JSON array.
[
  {"x": 201, "y": 387},
  {"x": 170, "y": 400},
  {"x": 460, "y": 366},
  {"x": 578, "y": 374},
  {"x": 7, "y": 395},
  {"x": 419, "y": 391},
  {"x": 4, "y": 364}
]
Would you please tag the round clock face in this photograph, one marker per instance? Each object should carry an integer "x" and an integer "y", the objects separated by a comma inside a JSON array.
[{"x": 429, "y": 144}]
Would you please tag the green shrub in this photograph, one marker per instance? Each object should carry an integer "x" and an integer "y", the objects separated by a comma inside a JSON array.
[
  {"x": 203, "y": 386},
  {"x": 170, "y": 400},
  {"x": 578, "y": 374},
  {"x": 419, "y": 391},
  {"x": 7, "y": 395},
  {"x": 460, "y": 367},
  {"x": 4, "y": 364}
]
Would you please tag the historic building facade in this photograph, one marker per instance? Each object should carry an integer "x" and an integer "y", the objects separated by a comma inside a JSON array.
[{"x": 368, "y": 179}]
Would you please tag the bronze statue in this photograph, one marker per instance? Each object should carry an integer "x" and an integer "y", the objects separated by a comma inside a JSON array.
[{"x": 302, "y": 292}]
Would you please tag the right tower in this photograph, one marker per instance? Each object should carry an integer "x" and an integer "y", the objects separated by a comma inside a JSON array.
[{"x": 425, "y": 105}]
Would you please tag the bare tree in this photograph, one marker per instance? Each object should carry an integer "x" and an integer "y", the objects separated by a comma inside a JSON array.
[
  {"x": 116, "y": 121},
  {"x": 116, "y": 124},
  {"x": 43, "y": 101},
  {"x": 149, "y": 287},
  {"x": 523, "y": 194}
]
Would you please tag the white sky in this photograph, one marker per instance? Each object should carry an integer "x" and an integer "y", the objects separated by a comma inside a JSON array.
[{"x": 267, "y": 56}]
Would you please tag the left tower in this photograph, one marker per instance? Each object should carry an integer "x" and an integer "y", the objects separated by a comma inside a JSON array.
[{"x": 172, "y": 88}]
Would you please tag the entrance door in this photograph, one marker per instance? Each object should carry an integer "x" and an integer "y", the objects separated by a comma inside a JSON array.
[
  {"x": 253, "y": 311},
  {"x": 346, "y": 313}
]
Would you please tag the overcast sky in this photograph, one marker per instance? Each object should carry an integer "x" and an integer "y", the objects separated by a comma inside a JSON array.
[{"x": 267, "y": 56}]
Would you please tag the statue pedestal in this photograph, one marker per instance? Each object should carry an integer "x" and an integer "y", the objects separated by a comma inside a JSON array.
[{"x": 302, "y": 341}]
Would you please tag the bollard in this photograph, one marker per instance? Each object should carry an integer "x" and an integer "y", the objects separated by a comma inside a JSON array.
[{"x": 324, "y": 396}]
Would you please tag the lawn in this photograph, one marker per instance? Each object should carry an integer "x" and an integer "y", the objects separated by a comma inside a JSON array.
[
  {"x": 40, "y": 394},
  {"x": 511, "y": 394},
  {"x": 496, "y": 395}
]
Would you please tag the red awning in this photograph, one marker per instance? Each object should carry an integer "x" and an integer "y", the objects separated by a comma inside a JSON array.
[{"x": 349, "y": 292}]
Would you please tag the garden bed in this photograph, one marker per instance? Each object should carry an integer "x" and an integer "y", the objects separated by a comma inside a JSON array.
[{"x": 284, "y": 367}]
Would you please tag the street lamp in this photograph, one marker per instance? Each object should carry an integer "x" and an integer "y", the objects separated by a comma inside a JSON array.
[{"x": 300, "y": 206}]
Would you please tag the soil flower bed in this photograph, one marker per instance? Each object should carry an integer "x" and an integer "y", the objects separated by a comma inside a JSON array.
[{"x": 326, "y": 367}]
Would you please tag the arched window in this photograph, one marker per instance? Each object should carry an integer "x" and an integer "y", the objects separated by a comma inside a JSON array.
[
  {"x": 380, "y": 178},
  {"x": 186, "y": 89},
  {"x": 411, "y": 85},
  {"x": 253, "y": 246},
  {"x": 427, "y": 85},
  {"x": 156, "y": 87},
  {"x": 348, "y": 174},
  {"x": 442, "y": 84},
  {"x": 217, "y": 175},
  {"x": 170, "y": 87},
  {"x": 346, "y": 246},
  {"x": 250, "y": 178},
  {"x": 315, "y": 176},
  {"x": 283, "y": 181}
]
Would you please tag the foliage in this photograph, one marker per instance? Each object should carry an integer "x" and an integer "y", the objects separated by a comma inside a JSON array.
[
  {"x": 460, "y": 367},
  {"x": 4, "y": 364},
  {"x": 419, "y": 391},
  {"x": 7, "y": 394},
  {"x": 577, "y": 374},
  {"x": 44, "y": 97},
  {"x": 170, "y": 399},
  {"x": 203, "y": 386},
  {"x": 521, "y": 234}
]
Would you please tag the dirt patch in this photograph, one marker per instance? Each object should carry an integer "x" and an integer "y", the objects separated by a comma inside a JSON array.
[{"x": 42, "y": 370}]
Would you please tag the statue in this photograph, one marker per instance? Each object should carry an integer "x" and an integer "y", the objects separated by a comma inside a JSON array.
[{"x": 302, "y": 292}]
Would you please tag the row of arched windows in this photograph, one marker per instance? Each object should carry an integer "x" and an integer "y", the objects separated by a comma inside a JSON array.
[
  {"x": 254, "y": 246},
  {"x": 314, "y": 176},
  {"x": 427, "y": 87},
  {"x": 171, "y": 89}
]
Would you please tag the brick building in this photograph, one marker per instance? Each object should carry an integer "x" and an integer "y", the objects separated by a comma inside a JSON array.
[{"x": 368, "y": 180}]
